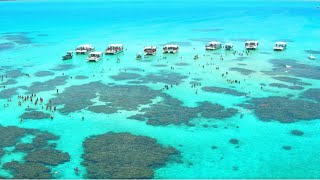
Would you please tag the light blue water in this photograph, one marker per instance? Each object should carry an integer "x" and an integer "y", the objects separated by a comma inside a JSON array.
[{"x": 56, "y": 27}]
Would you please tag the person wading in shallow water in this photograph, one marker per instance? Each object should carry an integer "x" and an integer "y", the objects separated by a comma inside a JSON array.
[{"x": 77, "y": 170}]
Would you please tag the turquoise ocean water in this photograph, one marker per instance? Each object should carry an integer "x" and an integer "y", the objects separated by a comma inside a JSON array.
[{"x": 35, "y": 34}]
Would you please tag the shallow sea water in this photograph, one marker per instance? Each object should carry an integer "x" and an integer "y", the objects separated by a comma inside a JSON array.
[{"x": 35, "y": 34}]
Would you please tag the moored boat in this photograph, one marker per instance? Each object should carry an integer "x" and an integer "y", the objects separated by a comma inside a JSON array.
[
  {"x": 139, "y": 56},
  {"x": 84, "y": 48},
  {"x": 114, "y": 49},
  {"x": 252, "y": 45},
  {"x": 213, "y": 45},
  {"x": 68, "y": 55},
  {"x": 228, "y": 46},
  {"x": 94, "y": 56},
  {"x": 312, "y": 57},
  {"x": 170, "y": 48},
  {"x": 280, "y": 46},
  {"x": 150, "y": 50}
]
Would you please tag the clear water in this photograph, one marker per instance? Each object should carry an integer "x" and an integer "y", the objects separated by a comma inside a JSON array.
[{"x": 56, "y": 27}]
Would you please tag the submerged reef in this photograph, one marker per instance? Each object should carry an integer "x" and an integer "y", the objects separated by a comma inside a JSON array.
[
  {"x": 221, "y": 90},
  {"x": 9, "y": 82},
  {"x": 63, "y": 67},
  {"x": 6, "y": 46},
  {"x": 243, "y": 71},
  {"x": 114, "y": 98},
  {"x": 297, "y": 132},
  {"x": 164, "y": 77},
  {"x": 18, "y": 38},
  {"x": 292, "y": 80},
  {"x": 49, "y": 157},
  {"x": 48, "y": 85},
  {"x": 15, "y": 73},
  {"x": 125, "y": 76},
  {"x": 28, "y": 170},
  {"x": 81, "y": 77},
  {"x": 40, "y": 157},
  {"x": 182, "y": 64},
  {"x": 8, "y": 93},
  {"x": 161, "y": 77},
  {"x": 43, "y": 73},
  {"x": 312, "y": 52},
  {"x": 171, "y": 111},
  {"x": 35, "y": 115},
  {"x": 124, "y": 156},
  {"x": 293, "y": 68},
  {"x": 279, "y": 85},
  {"x": 313, "y": 94},
  {"x": 119, "y": 97},
  {"x": 283, "y": 109}
]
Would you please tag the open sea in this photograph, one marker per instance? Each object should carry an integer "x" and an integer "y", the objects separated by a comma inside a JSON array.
[{"x": 227, "y": 114}]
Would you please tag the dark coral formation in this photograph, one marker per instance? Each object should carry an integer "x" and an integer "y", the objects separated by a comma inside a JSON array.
[
  {"x": 40, "y": 154},
  {"x": 164, "y": 77},
  {"x": 35, "y": 115},
  {"x": 294, "y": 68},
  {"x": 182, "y": 64},
  {"x": 28, "y": 170},
  {"x": 171, "y": 111},
  {"x": 288, "y": 148},
  {"x": 8, "y": 93},
  {"x": 130, "y": 98},
  {"x": 49, "y": 157},
  {"x": 279, "y": 85},
  {"x": 120, "y": 97},
  {"x": 19, "y": 38},
  {"x": 125, "y": 76},
  {"x": 124, "y": 156},
  {"x": 312, "y": 52},
  {"x": 313, "y": 94},
  {"x": 223, "y": 90},
  {"x": 243, "y": 71},
  {"x": 14, "y": 73},
  {"x": 161, "y": 77},
  {"x": 297, "y": 132},
  {"x": 9, "y": 136},
  {"x": 43, "y": 73},
  {"x": 48, "y": 85},
  {"x": 9, "y": 82},
  {"x": 63, "y": 67},
  {"x": 234, "y": 141},
  {"x": 6, "y": 46},
  {"x": 292, "y": 80},
  {"x": 134, "y": 69},
  {"x": 81, "y": 77},
  {"x": 160, "y": 65},
  {"x": 283, "y": 109}
]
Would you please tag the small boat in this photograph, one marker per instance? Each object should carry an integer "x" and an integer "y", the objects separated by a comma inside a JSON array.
[
  {"x": 280, "y": 46},
  {"x": 252, "y": 45},
  {"x": 150, "y": 51},
  {"x": 213, "y": 45},
  {"x": 68, "y": 55},
  {"x": 139, "y": 56},
  {"x": 228, "y": 46},
  {"x": 170, "y": 48},
  {"x": 114, "y": 49},
  {"x": 312, "y": 57},
  {"x": 94, "y": 56},
  {"x": 84, "y": 48}
]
